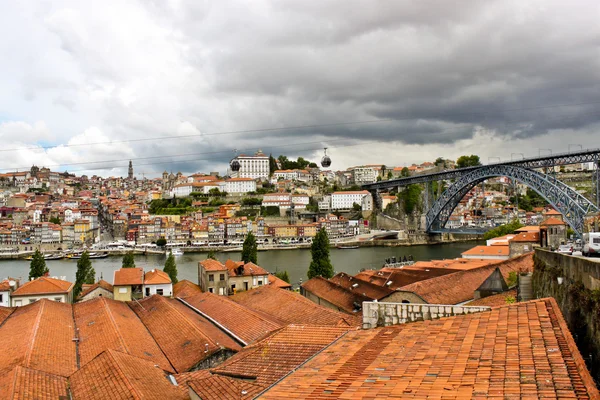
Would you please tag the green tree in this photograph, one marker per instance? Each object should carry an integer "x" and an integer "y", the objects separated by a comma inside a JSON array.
[
  {"x": 410, "y": 197},
  {"x": 283, "y": 275},
  {"x": 161, "y": 242},
  {"x": 320, "y": 264},
  {"x": 85, "y": 274},
  {"x": 54, "y": 220},
  {"x": 211, "y": 255},
  {"x": 37, "y": 267},
  {"x": 171, "y": 268},
  {"x": 439, "y": 161},
  {"x": 250, "y": 249},
  {"x": 468, "y": 161},
  {"x": 272, "y": 165},
  {"x": 405, "y": 172},
  {"x": 502, "y": 230},
  {"x": 128, "y": 261},
  {"x": 390, "y": 175}
]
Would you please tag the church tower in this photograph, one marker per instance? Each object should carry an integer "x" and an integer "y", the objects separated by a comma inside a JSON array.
[{"x": 130, "y": 174}]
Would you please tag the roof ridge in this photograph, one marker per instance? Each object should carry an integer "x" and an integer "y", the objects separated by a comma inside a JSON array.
[
  {"x": 16, "y": 370},
  {"x": 122, "y": 374},
  {"x": 240, "y": 306},
  {"x": 114, "y": 324},
  {"x": 34, "y": 335},
  {"x": 187, "y": 320}
]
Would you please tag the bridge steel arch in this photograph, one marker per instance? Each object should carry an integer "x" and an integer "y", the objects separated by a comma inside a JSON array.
[{"x": 572, "y": 205}]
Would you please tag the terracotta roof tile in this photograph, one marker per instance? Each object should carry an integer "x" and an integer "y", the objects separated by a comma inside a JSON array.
[
  {"x": 278, "y": 283},
  {"x": 128, "y": 276},
  {"x": 242, "y": 321},
  {"x": 280, "y": 353},
  {"x": 24, "y": 383},
  {"x": 250, "y": 269},
  {"x": 43, "y": 285},
  {"x": 224, "y": 388},
  {"x": 501, "y": 250},
  {"x": 400, "y": 277},
  {"x": 466, "y": 356},
  {"x": 115, "y": 375},
  {"x": 495, "y": 300},
  {"x": 366, "y": 288},
  {"x": 552, "y": 221},
  {"x": 181, "y": 333},
  {"x": 156, "y": 277},
  {"x": 5, "y": 313},
  {"x": 212, "y": 265},
  {"x": 39, "y": 336},
  {"x": 185, "y": 288},
  {"x": 527, "y": 237},
  {"x": 344, "y": 299},
  {"x": 459, "y": 287},
  {"x": 100, "y": 284},
  {"x": 287, "y": 307},
  {"x": 109, "y": 324}
]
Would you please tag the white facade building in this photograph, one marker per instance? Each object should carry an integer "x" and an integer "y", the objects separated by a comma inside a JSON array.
[
  {"x": 240, "y": 185},
  {"x": 346, "y": 200},
  {"x": 364, "y": 175},
  {"x": 254, "y": 167}
]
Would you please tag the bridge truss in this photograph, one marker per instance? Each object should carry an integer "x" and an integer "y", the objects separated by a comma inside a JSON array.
[{"x": 572, "y": 205}]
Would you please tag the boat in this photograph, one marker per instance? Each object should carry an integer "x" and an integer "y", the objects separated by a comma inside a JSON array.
[
  {"x": 53, "y": 256},
  {"x": 77, "y": 256},
  {"x": 347, "y": 247},
  {"x": 175, "y": 252}
]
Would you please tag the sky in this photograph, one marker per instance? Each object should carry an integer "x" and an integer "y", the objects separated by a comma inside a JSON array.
[{"x": 181, "y": 85}]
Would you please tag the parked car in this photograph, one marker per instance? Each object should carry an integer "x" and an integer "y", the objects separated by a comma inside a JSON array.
[{"x": 565, "y": 249}]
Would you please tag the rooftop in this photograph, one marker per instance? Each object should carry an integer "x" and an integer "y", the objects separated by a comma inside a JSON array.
[
  {"x": 128, "y": 276},
  {"x": 500, "y": 250},
  {"x": 24, "y": 383},
  {"x": 43, "y": 285},
  {"x": 156, "y": 277},
  {"x": 365, "y": 288},
  {"x": 185, "y": 288},
  {"x": 465, "y": 356},
  {"x": 100, "y": 284},
  {"x": 212, "y": 265},
  {"x": 344, "y": 299}
]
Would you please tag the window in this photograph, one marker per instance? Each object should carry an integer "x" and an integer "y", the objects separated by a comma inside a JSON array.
[
  {"x": 260, "y": 282},
  {"x": 1, "y": 297},
  {"x": 596, "y": 240},
  {"x": 222, "y": 277},
  {"x": 147, "y": 291},
  {"x": 58, "y": 299},
  {"x": 211, "y": 278},
  {"x": 122, "y": 290},
  {"x": 159, "y": 292},
  {"x": 211, "y": 290}
]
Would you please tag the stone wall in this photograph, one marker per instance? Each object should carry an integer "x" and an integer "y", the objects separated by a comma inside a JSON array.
[
  {"x": 386, "y": 314},
  {"x": 575, "y": 284}
]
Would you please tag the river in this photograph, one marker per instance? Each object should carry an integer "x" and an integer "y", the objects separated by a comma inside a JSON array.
[{"x": 296, "y": 262}]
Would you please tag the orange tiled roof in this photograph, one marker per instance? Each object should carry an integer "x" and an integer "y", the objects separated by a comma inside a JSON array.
[
  {"x": 466, "y": 356},
  {"x": 183, "y": 335},
  {"x": 280, "y": 353},
  {"x": 529, "y": 228},
  {"x": 116, "y": 375},
  {"x": 156, "y": 277},
  {"x": 212, "y": 265},
  {"x": 501, "y": 250},
  {"x": 250, "y": 269},
  {"x": 460, "y": 286},
  {"x": 109, "y": 324},
  {"x": 527, "y": 237},
  {"x": 365, "y": 288},
  {"x": 278, "y": 283},
  {"x": 5, "y": 313},
  {"x": 335, "y": 294},
  {"x": 128, "y": 276},
  {"x": 185, "y": 288},
  {"x": 32, "y": 337},
  {"x": 43, "y": 285},
  {"x": 495, "y": 300},
  {"x": 248, "y": 325},
  {"x": 287, "y": 307},
  {"x": 100, "y": 284},
  {"x": 400, "y": 277},
  {"x": 219, "y": 387},
  {"x": 552, "y": 221},
  {"x": 552, "y": 212},
  {"x": 28, "y": 384}
]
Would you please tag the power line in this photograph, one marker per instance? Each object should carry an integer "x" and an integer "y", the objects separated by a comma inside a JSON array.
[{"x": 314, "y": 126}]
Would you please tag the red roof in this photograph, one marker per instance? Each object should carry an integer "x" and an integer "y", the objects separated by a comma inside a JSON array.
[
  {"x": 100, "y": 284},
  {"x": 43, "y": 285},
  {"x": 212, "y": 265},
  {"x": 129, "y": 276},
  {"x": 25, "y": 383},
  {"x": 343, "y": 299},
  {"x": 499, "y": 250},
  {"x": 278, "y": 283},
  {"x": 185, "y": 288},
  {"x": 156, "y": 277},
  {"x": 552, "y": 221},
  {"x": 524, "y": 350},
  {"x": 526, "y": 237}
]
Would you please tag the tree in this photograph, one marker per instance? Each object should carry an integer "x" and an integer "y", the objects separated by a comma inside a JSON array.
[
  {"x": 250, "y": 249},
  {"x": 313, "y": 165},
  {"x": 171, "y": 268},
  {"x": 85, "y": 274},
  {"x": 54, "y": 220},
  {"x": 410, "y": 197},
  {"x": 390, "y": 175},
  {"x": 468, "y": 161},
  {"x": 37, "y": 267},
  {"x": 503, "y": 230},
  {"x": 161, "y": 242},
  {"x": 439, "y": 161},
  {"x": 272, "y": 165},
  {"x": 405, "y": 172},
  {"x": 283, "y": 275},
  {"x": 211, "y": 255},
  {"x": 128, "y": 261},
  {"x": 319, "y": 250}
]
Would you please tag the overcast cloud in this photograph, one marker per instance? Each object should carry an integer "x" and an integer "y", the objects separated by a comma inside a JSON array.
[{"x": 448, "y": 78}]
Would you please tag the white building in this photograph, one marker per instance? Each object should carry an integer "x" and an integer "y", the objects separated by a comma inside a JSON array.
[
  {"x": 185, "y": 189},
  {"x": 276, "y": 199},
  {"x": 364, "y": 175},
  {"x": 285, "y": 174},
  {"x": 157, "y": 282},
  {"x": 254, "y": 167},
  {"x": 43, "y": 288},
  {"x": 5, "y": 289},
  {"x": 325, "y": 204},
  {"x": 346, "y": 200},
  {"x": 240, "y": 185}
]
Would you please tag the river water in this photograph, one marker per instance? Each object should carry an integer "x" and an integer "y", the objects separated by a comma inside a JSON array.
[{"x": 296, "y": 262}]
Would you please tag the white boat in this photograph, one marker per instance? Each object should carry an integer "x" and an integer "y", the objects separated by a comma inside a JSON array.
[{"x": 175, "y": 252}]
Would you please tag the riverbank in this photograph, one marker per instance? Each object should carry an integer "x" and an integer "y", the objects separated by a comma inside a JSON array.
[{"x": 411, "y": 240}]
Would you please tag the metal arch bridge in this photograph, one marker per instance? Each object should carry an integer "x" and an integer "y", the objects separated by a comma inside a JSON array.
[
  {"x": 567, "y": 201},
  {"x": 572, "y": 205}
]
